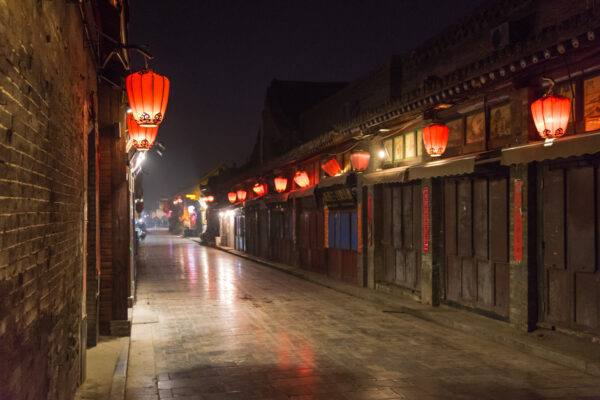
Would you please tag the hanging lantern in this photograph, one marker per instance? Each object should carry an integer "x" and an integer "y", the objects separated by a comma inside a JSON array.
[
  {"x": 551, "y": 115},
  {"x": 435, "y": 139},
  {"x": 360, "y": 160},
  {"x": 331, "y": 167},
  {"x": 280, "y": 184},
  {"x": 232, "y": 197},
  {"x": 241, "y": 195},
  {"x": 148, "y": 94},
  {"x": 260, "y": 189},
  {"x": 301, "y": 179},
  {"x": 142, "y": 137},
  {"x": 209, "y": 199}
]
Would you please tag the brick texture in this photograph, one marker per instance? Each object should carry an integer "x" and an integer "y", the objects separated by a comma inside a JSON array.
[{"x": 46, "y": 75}]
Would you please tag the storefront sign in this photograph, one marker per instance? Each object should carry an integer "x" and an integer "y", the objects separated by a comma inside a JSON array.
[
  {"x": 370, "y": 219},
  {"x": 518, "y": 221},
  {"x": 359, "y": 228},
  {"x": 326, "y": 226},
  {"x": 426, "y": 219},
  {"x": 339, "y": 198}
]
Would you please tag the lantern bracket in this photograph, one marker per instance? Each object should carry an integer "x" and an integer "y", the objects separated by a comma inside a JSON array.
[{"x": 552, "y": 83}]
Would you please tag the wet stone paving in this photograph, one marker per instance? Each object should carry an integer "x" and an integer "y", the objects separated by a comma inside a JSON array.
[{"x": 210, "y": 325}]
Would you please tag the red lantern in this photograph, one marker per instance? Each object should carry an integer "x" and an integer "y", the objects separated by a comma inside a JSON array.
[
  {"x": 210, "y": 199},
  {"x": 551, "y": 115},
  {"x": 260, "y": 189},
  {"x": 142, "y": 137},
  {"x": 280, "y": 184},
  {"x": 241, "y": 195},
  {"x": 301, "y": 179},
  {"x": 232, "y": 197},
  {"x": 360, "y": 160},
  {"x": 332, "y": 167},
  {"x": 148, "y": 94},
  {"x": 435, "y": 139}
]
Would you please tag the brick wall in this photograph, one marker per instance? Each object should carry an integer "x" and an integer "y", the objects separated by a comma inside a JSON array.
[{"x": 46, "y": 75}]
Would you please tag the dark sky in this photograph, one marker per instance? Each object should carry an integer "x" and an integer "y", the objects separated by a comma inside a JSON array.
[{"x": 221, "y": 55}]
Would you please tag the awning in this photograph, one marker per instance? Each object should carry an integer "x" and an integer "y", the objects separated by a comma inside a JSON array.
[
  {"x": 309, "y": 191},
  {"x": 569, "y": 146},
  {"x": 276, "y": 198},
  {"x": 260, "y": 203},
  {"x": 391, "y": 175},
  {"x": 334, "y": 181},
  {"x": 447, "y": 167}
]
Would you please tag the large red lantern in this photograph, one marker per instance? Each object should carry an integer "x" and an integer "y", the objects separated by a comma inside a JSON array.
[
  {"x": 435, "y": 139},
  {"x": 301, "y": 179},
  {"x": 280, "y": 184},
  {"x": 148, "y": 94},
  {"x": 360, "y": 160},
  {"x": 232, "y": 197},
  {"x": 260, "y": 189},
  {"x": 331, "y": 167},
  {"x": 551, "y": 115},
  {"x": 141, "y": 137},
  {"x": 209, "y": 199},
  {"x": 241, "y": 195}
]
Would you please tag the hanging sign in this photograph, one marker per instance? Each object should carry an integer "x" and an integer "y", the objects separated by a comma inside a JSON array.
[
  {"x": 426, "y": 219},
  {"x": 518, "y": 221}
]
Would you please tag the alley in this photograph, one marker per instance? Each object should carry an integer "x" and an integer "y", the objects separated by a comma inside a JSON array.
[{"x": 209, "y": 325}]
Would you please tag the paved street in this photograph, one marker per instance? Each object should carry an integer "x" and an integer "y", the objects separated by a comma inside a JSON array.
[{"x": 209, "y": 325}]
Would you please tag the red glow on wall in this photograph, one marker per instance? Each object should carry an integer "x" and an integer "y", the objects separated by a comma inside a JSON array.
[
  {"x": 280, "y": 184},
  {"x": 148, "y": 94},
  {"x": 331, "y": 167}
]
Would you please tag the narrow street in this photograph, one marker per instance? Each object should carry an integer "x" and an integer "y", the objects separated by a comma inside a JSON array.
[{"x": 209, "y": 325}]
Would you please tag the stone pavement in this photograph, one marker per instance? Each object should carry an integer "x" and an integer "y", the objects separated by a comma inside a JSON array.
[{"x": 210, "y": 325}]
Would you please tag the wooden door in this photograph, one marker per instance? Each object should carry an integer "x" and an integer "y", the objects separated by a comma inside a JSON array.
[
  {"x": 476, "y": 243},
  {"x": 401, "y": 236},
  {"x": 310, "y": 240},
  {"x": 569, "y": 225}
]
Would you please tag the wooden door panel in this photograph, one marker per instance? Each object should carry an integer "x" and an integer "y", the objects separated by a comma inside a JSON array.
[
  {"x": 464, "y": 222},
  {"x": 450, "y": 217},
  {"x": 558, "y": 296},
  {"x": 485, "y": 285},
  {"x": 553, "y": 219},
  {"x": 400, "y": 267},
  {"x": 397, "y": 216},
  {"x": 407, "y": 217},
  {"x": 411, "y": 270},
  {"x": 502, "y": 288},
  {"x": 587, "y": 300},
  {"x": 453, "y": 277},
  {"x": 480, "y": 218},
  {"x": 389, "y": 263},
  {"x": 580, "y": 222},
  {"x": 499, "y": 220},
  {"x": 468, "y": 279}
]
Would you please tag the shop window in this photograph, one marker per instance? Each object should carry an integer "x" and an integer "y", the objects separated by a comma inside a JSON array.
[
  {"x": 343, "y": 230},
  {"x": 403, "y": 147},
  {"x": 388, "y": 148},
  {"x": 419, "y": 142}
]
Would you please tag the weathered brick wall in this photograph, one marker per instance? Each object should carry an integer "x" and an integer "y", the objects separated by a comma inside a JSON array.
[{"x": 45, "y": 77}]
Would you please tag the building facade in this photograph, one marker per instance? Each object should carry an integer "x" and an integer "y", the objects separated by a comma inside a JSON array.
[
  {"x": 65, "y": 222},
  {"x": 503, "y": 223}
]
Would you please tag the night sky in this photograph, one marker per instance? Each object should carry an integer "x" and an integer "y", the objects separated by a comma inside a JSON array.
[{"x": 221, "y": 55}]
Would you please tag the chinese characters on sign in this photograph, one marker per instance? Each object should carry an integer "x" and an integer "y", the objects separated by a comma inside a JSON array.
[
  {"x": 518, "y": 225},
  {"x": 426, "y": 219}
]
